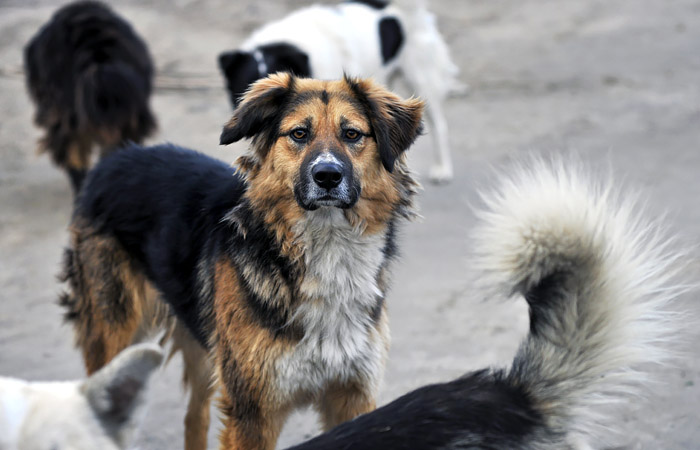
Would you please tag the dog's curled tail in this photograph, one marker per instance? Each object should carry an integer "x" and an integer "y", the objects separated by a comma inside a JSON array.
[{"x": 598, "y": 280}]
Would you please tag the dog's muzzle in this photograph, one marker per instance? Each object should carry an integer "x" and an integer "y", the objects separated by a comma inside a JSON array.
[
  {"x": 326, "y": 179},
  {"x": 327, "y": 175}
]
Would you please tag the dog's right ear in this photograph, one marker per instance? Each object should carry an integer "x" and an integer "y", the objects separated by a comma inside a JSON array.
[
  {"x": 117, "y": 391},
  {"x": 260, "y": 111}
]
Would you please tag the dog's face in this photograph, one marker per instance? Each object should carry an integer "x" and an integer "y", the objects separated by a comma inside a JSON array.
[
  {"x": 325, "y": 147},
  {"x": 327, "y": 144}
]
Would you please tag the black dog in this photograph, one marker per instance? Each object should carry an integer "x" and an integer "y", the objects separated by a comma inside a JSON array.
[{"x": 90, "y": 76}]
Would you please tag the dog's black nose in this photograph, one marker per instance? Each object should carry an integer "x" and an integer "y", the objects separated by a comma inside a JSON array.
[{"x": 327, "y": 175}]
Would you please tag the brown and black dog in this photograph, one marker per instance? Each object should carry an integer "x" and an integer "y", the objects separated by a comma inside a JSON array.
[
  {"x": 90, "y": 76},
  {"x": 271, "y": 275}
]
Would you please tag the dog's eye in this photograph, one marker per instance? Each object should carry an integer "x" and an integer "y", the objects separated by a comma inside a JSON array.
[
  {"x": 299, "y": 134},
  {"x": 352, "y": 135}
]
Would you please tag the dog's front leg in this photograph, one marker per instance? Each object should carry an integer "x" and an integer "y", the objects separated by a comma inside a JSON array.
[
  {"x": 249, "y": 426},
  {"x": 442, "y": 170},
  {"x": 342, "y": 403},
  {"x": 252, "y": 420}
]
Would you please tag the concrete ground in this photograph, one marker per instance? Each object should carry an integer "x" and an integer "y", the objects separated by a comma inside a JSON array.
[{"x": 615, "y": 83}]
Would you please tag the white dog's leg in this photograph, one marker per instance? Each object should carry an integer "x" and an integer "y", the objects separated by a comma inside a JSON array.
[{"x": 442, "y": 170}]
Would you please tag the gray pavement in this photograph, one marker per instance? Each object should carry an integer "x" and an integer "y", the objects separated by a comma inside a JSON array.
[{"x": 613, "y": 82}]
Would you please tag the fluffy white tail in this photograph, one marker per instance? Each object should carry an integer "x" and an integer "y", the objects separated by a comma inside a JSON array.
[{"x": 598, "y": 279}]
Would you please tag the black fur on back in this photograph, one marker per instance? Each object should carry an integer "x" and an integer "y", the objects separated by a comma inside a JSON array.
[
  {"x": 166, "y": 207},
  {"x": 89, "y": 74},
  {"x": 479, "y": 410}
]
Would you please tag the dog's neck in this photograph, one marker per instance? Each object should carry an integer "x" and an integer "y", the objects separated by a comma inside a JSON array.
[
  {"x": 301, "y": 235},
  {"x": 340, "y": 259},
  {"x": 334, "y": 257},
  {"x": 338, "y": 256}
]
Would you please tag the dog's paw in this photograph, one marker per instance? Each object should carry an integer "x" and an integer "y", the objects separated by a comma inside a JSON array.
[{"x": 440, "y": 174}]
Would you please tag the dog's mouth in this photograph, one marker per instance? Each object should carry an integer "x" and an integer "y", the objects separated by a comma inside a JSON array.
[
  {"x": 312, "y": 199},
  {"x": 328, "y": 201}
]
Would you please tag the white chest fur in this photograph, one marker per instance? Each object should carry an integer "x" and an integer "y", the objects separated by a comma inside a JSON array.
[{"x": 340, "y": 342}]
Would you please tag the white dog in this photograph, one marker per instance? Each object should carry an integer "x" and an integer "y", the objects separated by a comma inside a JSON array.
[
  {"x": 101, "y": 412},
  {"x": 364, "y": 38}
]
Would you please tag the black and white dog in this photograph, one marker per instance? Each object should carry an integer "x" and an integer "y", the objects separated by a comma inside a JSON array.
[{"x": 366, "y": 38}]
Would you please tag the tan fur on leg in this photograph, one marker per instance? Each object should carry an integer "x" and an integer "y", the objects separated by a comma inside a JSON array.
[
  {"x": 342, "y": 403},
  {"x": 259, "y": 432},
  {"x": 198, "y": 378},
  {"x": 107, "y": 297}
]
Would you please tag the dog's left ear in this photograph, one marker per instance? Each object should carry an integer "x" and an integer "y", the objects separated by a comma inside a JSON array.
[
  {"x": 396, "y": 123},
  {"x": 260, "y": 110}
]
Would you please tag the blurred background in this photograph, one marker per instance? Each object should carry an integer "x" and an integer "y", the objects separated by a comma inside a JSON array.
[{"x": 614, "y": 83}]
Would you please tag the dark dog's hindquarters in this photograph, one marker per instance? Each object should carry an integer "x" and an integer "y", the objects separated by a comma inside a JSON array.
[
  {"x": 130, "y": 249},
  {"x": 90, "y": 77}
]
